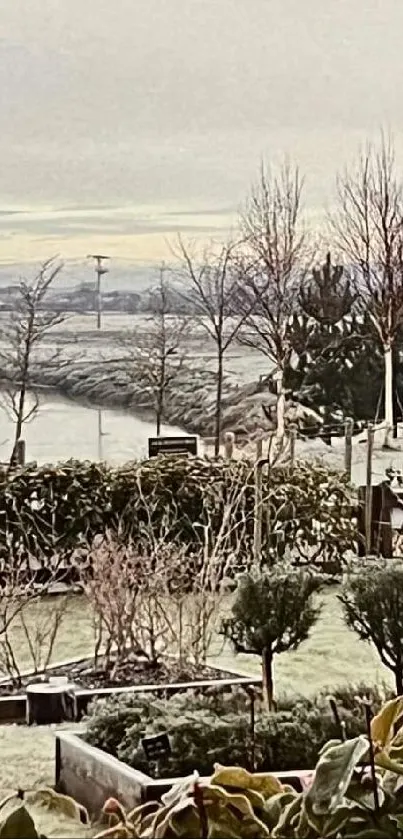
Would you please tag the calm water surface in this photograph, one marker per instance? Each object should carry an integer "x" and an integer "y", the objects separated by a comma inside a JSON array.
[{"x": 64, "y": 429}]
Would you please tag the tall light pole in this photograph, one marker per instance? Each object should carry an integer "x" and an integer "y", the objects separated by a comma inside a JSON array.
[{"x": 100, "y": 270}]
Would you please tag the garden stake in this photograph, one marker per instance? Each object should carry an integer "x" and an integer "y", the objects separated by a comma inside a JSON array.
[
  {"x": 340, "y": 723},
  {"x": 368, "y": 715},
  {"x": 251, "y": 693},
  {"x": 258, "y": 507}
]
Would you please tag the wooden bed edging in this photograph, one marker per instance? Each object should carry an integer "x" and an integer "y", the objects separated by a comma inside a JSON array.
[
  {"x": 91, "y": 776},
  {"x": 69, "y": 662},
  {"x": 13, "y": 708}
]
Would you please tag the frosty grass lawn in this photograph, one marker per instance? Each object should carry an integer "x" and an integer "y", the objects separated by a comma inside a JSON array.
[
  {"x": 27, "y": 760},
  {"x": 332, "y": 656}
]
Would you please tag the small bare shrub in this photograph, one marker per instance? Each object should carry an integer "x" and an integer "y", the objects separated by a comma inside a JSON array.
[{"x": 27, "y": 632}]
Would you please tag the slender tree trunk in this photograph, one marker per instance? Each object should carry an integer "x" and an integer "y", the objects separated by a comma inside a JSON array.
[
  {"x": 21, "y": 404},
  {"x": 158, "y": 417},
  {"x": 267, "y": 677},
  {"x": 280, "y": 405},
  {"x": 20, "y": 414},
  {"x": 217, "y": 418},
  {"x": 160, "y": 398},
  {"x": 388, "y": 362}
]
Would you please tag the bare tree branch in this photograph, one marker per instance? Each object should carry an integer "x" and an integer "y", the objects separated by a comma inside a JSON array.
[
  {"x": 27, "y": 325},
  {"x": 208, "y": 282},
  {"x": 157, "y": 354},
  {"x": 275, "y": 263},
  {"x": 367, "y": 226}
]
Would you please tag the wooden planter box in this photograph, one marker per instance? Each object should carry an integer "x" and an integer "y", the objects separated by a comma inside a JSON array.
[
  {"x": 13, "y": 708},
  {"x": 91, "y": 776}
]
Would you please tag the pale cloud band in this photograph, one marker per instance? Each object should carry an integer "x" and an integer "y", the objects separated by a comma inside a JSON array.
[{"x": 124, "y": 121}]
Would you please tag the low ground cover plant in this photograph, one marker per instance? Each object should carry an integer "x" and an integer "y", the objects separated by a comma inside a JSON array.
[{"x": 216, "y": 727}]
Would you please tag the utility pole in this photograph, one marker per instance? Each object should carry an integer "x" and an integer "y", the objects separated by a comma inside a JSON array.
[{"x": 99, "y": 270}]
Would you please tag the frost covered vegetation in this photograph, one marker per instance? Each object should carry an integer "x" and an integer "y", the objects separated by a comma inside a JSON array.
[
  {"x": 215, "y": 728},
  {"x": 60, "y": 509},
  {"x": 163, "y": 539}
]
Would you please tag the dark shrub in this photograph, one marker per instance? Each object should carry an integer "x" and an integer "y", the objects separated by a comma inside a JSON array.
[
  {"x": 373, "y": 608},
  {"x": 61, "y": 507}
]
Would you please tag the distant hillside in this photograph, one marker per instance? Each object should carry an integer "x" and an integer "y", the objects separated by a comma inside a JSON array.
[{"x": 122, "y": 276}]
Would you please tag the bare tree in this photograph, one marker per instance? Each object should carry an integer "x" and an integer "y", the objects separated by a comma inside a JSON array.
[
  {"x": 157, "y": 354},
  {"x": 22, "y": 334},
  {"x": 368, "y": 228},
  {"x": 275, "y": 262},
  {"x": 209, "y": 283}
]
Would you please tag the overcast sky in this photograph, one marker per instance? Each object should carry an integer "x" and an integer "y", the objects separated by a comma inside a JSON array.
[{"x": 123, "y": 121}]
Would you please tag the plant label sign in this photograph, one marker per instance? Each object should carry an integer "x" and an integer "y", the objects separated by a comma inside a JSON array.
[
  {"x": 171, "y": 445},
  {"x": 157, "y": 746}
]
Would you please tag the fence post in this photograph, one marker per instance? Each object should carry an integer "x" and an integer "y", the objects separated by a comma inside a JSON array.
[
  {"x": 368, "y": 490},
  {"x": 293, "y": 438},
  {"x": 229, "y": 440},
  {"x": 348, "y": 450}
]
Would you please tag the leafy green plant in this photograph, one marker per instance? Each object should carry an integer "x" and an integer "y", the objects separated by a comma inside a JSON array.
[
  {"x": 272, "y": 613},
  {"x": 348, "y": 798},
  {"x": 59, "y": 509},
  {"x": 215, "y": 727},
  {"x": 373, "y": 608}
]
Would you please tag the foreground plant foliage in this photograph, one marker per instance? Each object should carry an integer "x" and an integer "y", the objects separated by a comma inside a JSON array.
[{"x": 356, "y": 793}]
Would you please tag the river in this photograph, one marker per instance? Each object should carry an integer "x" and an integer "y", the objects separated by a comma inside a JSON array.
[{"x": 63, "y": 429}]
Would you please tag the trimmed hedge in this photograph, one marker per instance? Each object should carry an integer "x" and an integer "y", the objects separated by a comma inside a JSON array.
[
  {"x": 57, "y": 509},
  {"x": 210, "y": 729}
]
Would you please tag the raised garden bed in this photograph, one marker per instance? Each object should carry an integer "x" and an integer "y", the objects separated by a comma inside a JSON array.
[
  {"x": 90, "y": 682},
  {"x": 87, "y": 675},
  {"x": 91, "y": 776}
]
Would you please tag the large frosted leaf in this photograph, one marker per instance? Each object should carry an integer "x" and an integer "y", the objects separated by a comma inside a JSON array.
[
  {"x": 18, "y": 825},
  {"x": 237, "y": 801},
  {"x": 180, "y": 790},
  {"x": 275, "y": 805},
  {"x": 333, "y": 774},
  {"x": 63, "y": 804},
  {"x": 230, "y": 820},
  {"x": 289, "y": 819},
  {"x": 234, "y": 777},
  {"x": 180, "y": 820},
  {"x": 382, "y": 725}
]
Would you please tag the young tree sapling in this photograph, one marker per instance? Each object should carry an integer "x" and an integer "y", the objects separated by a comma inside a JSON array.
[{"x": 272, "y": 613}]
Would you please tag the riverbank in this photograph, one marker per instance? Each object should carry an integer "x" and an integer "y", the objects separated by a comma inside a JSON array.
[
  {"x": 247, "y": 409},
  {"x": 67, "y": 428}
]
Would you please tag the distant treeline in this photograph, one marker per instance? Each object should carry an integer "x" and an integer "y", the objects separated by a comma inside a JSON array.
[{"x": 83, "y": 298}]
